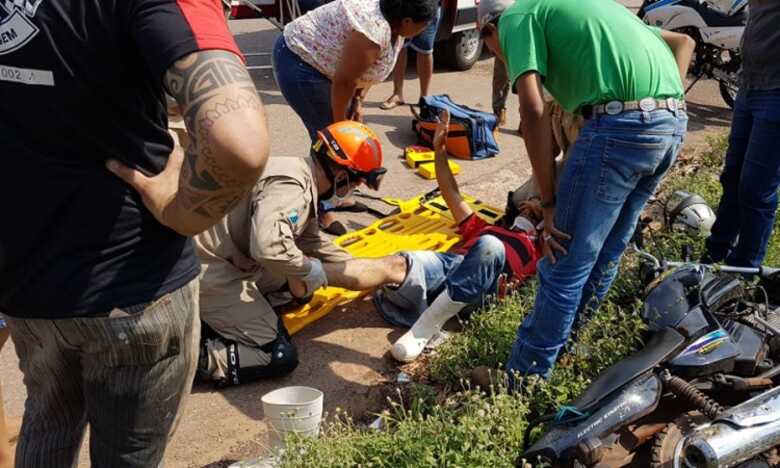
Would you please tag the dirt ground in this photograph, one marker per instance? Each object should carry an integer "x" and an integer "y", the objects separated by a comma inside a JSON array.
[{"x": 346, "y": 354}]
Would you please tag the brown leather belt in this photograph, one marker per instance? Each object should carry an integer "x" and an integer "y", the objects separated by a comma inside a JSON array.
[{"x": 645, "y": 104}]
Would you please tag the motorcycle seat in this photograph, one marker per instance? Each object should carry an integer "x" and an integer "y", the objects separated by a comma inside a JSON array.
[
  {"x": 714, "y": 18},
  {"x": 663, "y": 345}
]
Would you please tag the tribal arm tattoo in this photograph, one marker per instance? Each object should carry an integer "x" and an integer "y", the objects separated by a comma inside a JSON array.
[{"x": 228, "y": 136}]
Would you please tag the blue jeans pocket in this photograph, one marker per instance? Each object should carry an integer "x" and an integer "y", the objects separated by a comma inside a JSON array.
[{"x": 625, "y": 162}]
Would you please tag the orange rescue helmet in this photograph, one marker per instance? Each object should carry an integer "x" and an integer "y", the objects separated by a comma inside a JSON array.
[
  {"x": 354, "y": 147},
  {"x": 352, "y": 144}
]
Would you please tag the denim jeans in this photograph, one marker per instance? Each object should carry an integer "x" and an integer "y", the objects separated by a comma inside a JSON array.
[
  {"x": 750, "y": 178},
  {"x": 306, "y": 90},
  {"x": 469, "y": 279},
  {"x": 126, "y": 375},
  {"x": 615, "y": 166},
  {"x": 423, "y": 43}
]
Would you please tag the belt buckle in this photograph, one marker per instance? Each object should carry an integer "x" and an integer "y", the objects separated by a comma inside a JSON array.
[
  {"x": 613, "y": 108},
  {"x": 671, "y": 104},
  {"x": 648, "y": 104}
]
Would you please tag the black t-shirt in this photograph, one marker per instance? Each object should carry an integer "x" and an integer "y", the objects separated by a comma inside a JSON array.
[
  {"x": 761, "y": 46},
  {"x": 81, "y": 82}
]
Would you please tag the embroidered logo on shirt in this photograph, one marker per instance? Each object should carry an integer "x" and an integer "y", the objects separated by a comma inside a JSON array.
[{"x": 16, "y": 29}]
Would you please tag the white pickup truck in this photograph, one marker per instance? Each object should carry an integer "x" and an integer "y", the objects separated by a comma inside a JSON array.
[{"x": 458, "y": 41}]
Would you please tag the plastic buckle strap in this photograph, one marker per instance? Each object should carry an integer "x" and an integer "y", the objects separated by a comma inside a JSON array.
[{"x": 569, "y": 414}]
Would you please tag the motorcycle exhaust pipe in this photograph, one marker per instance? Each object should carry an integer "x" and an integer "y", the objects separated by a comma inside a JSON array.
[{"x": 737, "y": 435}]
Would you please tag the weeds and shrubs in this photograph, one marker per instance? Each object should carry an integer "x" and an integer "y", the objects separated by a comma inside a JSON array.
[{"x": 468, "y": 429}]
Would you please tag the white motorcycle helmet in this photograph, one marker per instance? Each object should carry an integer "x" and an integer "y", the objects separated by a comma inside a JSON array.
[{"x": 689, "y": 213}]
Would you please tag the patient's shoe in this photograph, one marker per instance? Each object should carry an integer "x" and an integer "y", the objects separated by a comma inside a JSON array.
[{"x": 412, "y": 343}]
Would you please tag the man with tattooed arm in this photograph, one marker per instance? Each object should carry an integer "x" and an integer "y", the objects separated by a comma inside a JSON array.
[{"x": 98, "y": 279}]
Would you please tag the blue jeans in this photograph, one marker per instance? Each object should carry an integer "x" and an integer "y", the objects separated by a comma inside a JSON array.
[
  {"x": 423, "y": 42},
  {"x": 750, "y": 179},
  {"x": 469, "y": 279},
  {"x": 614, "y": 167},
  {"x": 306, "y": 90}
]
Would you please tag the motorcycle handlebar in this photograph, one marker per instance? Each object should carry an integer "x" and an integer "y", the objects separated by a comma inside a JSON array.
[
  {"x": 637, "y": 245},
  {"x": 762, "y": 271}
]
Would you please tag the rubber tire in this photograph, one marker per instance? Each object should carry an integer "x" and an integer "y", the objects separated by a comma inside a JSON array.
[
  {"x": 458, "y": 55},
  {"x": 727, "y": 97},
  {"x": 664, "y": 443}
]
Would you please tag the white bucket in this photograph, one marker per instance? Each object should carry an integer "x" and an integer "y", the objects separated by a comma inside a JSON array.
[{"x": 294, "y": 409}]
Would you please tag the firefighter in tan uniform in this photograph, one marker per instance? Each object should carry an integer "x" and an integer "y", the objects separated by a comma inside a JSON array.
[{"x": 272, "y": 238}]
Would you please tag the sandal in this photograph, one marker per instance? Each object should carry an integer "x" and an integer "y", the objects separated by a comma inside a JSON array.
[{"x": 391, "y": 103}]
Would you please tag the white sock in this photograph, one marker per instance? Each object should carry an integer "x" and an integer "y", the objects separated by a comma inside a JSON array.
[{"x": 412, "y": 343}]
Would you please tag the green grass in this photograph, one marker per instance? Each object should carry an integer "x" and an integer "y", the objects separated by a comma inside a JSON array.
[
  {"x": 468, "y": 429},
  {"x": 461, "y": 427}
]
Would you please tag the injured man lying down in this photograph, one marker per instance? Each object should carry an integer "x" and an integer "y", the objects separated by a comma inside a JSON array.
[{"x": 424, "y": 289}]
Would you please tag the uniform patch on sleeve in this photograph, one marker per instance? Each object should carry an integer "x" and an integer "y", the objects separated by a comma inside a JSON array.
[{"x": 293, "y": 216}]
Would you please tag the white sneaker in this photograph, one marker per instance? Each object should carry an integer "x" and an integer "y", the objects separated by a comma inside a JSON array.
[{"x": 413, "y": 342}]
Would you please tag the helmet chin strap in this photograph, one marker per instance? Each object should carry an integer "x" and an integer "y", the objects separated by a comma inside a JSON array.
[{"x": 322, "y": 160}]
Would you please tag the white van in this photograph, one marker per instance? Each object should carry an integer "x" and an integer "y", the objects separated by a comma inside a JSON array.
[{"x": 458, "y": 38}]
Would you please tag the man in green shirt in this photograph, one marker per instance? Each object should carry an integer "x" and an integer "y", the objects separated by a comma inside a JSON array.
[{"x": 597, "y": 59}]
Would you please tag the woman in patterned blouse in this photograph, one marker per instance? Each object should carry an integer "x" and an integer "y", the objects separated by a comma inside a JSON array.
[{"x": 326, "y": 59}]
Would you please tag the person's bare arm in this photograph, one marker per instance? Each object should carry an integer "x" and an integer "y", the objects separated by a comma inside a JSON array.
[
  {"x": 228, "y": 150},
  {"x": 539, "y": 144},
  {"x": 448, "y": 186},
  {"x": 359, "y": 274},
  {"x": 358, "y": 55},
  {"x": 682, "y": 46}
]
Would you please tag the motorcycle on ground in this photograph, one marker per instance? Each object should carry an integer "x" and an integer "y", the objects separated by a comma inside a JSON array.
[
  {"x": 717, "y": 31},
  {"x": 712, "y": 355}
]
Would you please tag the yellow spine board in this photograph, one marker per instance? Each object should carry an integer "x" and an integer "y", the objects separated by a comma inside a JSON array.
[{"x": 420, "y": 226}]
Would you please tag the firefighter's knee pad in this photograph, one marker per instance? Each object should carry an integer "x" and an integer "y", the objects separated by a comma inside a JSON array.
[
  {"x": 284, "y": 360},
  {"x": 284, "y": 357}
]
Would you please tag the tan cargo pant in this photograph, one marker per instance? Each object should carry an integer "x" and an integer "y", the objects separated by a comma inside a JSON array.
[{"x": 236, "y": 305}]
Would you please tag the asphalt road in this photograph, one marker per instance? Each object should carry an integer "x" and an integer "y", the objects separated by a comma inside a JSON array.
[{"x": 346, "y": 354}]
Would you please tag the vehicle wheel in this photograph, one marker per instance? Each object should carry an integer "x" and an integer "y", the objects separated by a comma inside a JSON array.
[
  {"x": 667, "y": 444},
  {"x": 463, "y": 49},
  {"x": 728, "y": 94}
]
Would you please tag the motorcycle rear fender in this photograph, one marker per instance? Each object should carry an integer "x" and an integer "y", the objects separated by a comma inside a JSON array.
[
  {"x": 726, "y": 37},
  {"x": 674, "y": 17},
  {"x": 636, "y": 400}
]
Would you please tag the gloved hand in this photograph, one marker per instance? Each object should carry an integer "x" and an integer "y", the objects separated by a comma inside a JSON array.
[{"x": 316, "y": 278}]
